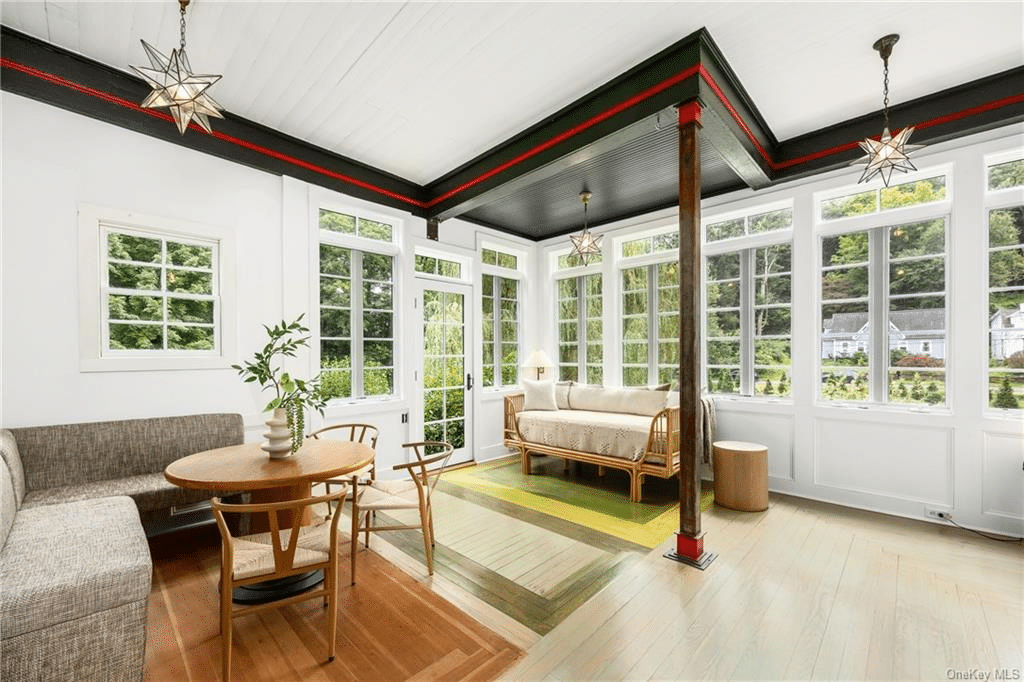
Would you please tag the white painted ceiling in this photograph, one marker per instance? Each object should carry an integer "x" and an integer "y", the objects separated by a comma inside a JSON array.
[{"x": 418, "y": 88}]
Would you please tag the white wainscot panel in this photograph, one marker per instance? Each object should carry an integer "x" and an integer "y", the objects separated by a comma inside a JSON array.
[
  {"x": 913, "y": 463},
  {"x": 1003, "y": 491},
  {"x": 772, "y": 430}
]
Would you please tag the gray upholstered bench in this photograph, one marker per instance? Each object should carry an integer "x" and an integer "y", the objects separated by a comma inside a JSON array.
[{"x": 75, "y": 569}]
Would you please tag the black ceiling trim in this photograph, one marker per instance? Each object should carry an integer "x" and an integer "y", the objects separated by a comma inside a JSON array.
[
  {"x": 40, "y": 71},
  {"x": 604, "y": 121},
  {"x": 973, "y": 107}
]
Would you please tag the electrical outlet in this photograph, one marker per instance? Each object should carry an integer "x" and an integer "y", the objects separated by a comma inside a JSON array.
[{"x": 936, "y": 514}]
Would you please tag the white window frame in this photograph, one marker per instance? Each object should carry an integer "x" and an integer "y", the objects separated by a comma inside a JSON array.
[
  {"x": 650, "y": 261},
  {"x": 995, "y": 199},
  {"x": 361, "y": 245},
  {"x": 745, "y": 246},
  {"x": 94, "y": 355},
  {"x": 877, "y": 224},
  {"x": 465, "y": 265},
  {"x": 518, "y": 274}
]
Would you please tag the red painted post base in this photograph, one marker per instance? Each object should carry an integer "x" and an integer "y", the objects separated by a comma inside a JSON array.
[{"x": 690, "y": 551}]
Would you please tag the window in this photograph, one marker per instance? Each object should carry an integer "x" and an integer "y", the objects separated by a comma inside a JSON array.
[
  {"x": 1006, "y": 284},
  {"x": 747, "y": 304},
  {"x": 344, "y": 223},
  {"x": 658, "y": 243},
  {"x": 913, "y": 193},
  {"x": 580, "y": 346},
  {"x": 153, "y": 293},
  {"x": 160, "y": 293},
  {"x": 441, "y": 267},
  {"x": 650, "y": 324},
  {"x": 500, "y": 330},
  {"x": 357, "y": 312},
  {"x": 499, "y": 259},
  {"x": 884, "y": 288},
  {"x": 572, "y": 260}
]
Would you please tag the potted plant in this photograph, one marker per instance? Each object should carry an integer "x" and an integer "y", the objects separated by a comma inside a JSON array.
[{"x": 292, "y": 396}]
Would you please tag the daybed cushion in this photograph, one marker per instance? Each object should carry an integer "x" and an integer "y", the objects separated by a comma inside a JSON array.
[
  {"x": 604, "y": 433},
  {"x": 8, "y": 503},
  {"x": 65, "y": 562},
  {"x": 539, "y": 395},
  {"x": 151, "y": 492},
  {"x": 640, "y": 401}
]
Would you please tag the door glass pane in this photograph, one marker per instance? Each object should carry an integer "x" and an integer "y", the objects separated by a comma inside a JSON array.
[{"x": 444, "y": 367}]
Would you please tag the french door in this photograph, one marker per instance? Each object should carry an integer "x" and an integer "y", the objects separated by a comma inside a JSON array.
[{"x": 446, "y": 375}]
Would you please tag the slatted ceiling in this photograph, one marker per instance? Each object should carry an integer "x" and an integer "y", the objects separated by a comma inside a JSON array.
[{"x": 639, "y": 176}]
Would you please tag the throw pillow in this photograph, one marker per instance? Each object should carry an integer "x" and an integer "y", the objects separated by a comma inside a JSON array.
[
  {"x": 539, "y": 395},
  {"x": 562, "y": 389}
]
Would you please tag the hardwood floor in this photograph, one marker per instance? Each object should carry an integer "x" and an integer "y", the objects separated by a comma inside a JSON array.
[
  {"x": 803, "y": 591},
  {"x": 391, "y": 627}
]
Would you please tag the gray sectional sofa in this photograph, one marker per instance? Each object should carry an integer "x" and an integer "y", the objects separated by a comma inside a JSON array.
[{"x": 75, "y": 569}]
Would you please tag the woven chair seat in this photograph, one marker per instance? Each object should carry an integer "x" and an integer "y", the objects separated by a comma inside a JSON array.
[
  {"x": 254, "y": 554},
  {"x": 400, "y": 495}
]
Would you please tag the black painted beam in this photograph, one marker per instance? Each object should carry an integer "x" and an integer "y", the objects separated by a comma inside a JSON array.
[{"x": 41, "y": 71}]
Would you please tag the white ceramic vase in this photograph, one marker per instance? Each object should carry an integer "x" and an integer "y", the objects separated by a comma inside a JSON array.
[{"x": 279, "y": 438}]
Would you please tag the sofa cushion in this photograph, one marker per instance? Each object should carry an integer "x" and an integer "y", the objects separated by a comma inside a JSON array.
[
  {"x": 562, "y": 389},
  {"x": 67, "y": 561},
  {"x": 603, "y": 433},
  {"x": 640, "y": 401},
  {"x": 150, "y": 492},
  {"x": 70, "y": 454},
  {"x": 8, "y": 506},
  {"x": 9, "y": 451},
  {"x": 539, "y": 395}
]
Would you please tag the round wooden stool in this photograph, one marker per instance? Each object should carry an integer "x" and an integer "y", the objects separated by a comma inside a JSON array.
[{"x": 741, "y": 475}]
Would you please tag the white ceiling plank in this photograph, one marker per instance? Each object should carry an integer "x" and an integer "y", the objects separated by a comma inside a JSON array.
[{"x": 416, "y": 89}]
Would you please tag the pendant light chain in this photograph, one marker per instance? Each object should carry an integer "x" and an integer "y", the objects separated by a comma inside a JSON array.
[
  {"x": 885, "y": 88},
  {"x": 183, "y": 26}
]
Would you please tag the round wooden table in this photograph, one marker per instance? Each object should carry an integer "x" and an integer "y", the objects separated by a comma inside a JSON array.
[{"x": 247, "y": 467}]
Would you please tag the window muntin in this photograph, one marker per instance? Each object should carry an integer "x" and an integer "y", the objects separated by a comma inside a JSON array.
[
  {"x": 500, "y": 308},
  {"x": 357, "y": 322},
  {"x": 441, "y": 267},
  {"x": 356, "y": 226},
  {"x": 160, "y": 293},
  {"x": 500, "y": 259},
  {"x": 912, "y": 193},
  {"x": 756, "y": 223},
  {"x": 656, "y": 243},
  {"x": 1006, "y": 175},
  {"x": 748, "y": 325},
  {"x": 580, "y": 325},
  {"x": 573, "y": 260},
  {"x": 650, "y": 324},
  {"x": 900, "y": 270},
  {"x": 1006, "y": 306}
]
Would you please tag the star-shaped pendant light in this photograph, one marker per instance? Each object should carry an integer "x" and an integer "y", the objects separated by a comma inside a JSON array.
[
  {"x": 888, "y": 153},
  {"x": 176, "y": 87},
  {"x": 585, "y": 244}
]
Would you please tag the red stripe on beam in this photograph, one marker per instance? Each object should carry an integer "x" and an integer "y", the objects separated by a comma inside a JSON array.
[{"x": 266, "y": 151}]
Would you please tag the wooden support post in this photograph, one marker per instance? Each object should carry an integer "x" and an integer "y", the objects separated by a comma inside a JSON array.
[{"x": 690, "y": 538}]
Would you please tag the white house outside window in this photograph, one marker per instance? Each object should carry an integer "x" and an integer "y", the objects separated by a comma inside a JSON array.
[
  {"x": 883, "y": 288},
  {"x": 1005, "y": 218}
]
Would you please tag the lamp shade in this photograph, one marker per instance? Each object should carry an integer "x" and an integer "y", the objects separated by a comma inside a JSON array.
[{"x": 538, "y": 360}]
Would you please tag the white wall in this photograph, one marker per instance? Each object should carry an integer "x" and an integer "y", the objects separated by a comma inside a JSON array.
[
  {"x": 963, "y": 458},
  {"x": 54, "y": 160}
]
